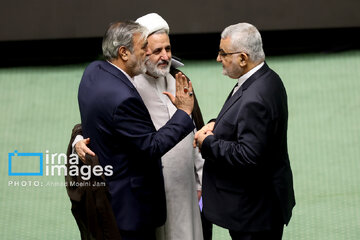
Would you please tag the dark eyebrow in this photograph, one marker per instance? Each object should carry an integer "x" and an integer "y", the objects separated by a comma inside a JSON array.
[{"x": 157, "y": 50}]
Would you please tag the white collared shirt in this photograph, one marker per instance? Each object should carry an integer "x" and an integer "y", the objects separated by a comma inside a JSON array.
[{"x": 244, "y": 77}]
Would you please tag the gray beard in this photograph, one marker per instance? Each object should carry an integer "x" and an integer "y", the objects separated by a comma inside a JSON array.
[
  {"x": 154, "y": 71},
  {"x": 138, "y": 67}
]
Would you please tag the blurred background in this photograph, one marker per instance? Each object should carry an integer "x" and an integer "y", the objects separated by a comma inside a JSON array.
[{"x": 314, "y": 47}]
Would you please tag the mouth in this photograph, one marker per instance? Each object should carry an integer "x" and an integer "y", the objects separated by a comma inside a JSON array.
[{"x": 163, "y": 64}]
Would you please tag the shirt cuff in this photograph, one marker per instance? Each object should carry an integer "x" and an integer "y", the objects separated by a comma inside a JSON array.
[{"x": 77, "y": 139}]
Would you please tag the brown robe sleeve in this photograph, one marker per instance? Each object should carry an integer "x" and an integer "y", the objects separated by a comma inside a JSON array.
[{"x": 90, "y": 199}]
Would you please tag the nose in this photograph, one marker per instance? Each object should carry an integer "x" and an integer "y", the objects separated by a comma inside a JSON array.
[
  {"x": 218, "y": 58},
  {"x": 165, "y": 55}
]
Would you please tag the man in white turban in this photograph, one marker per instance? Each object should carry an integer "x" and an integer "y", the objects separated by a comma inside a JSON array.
[{"x": 182, "y": 165}]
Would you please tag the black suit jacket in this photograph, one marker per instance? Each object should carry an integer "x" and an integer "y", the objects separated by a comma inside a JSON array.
[
  {"x": 122, "y": 134},
  {"x": 247, "y": 179}
]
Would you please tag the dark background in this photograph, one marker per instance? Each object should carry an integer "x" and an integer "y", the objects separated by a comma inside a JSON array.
[{"x": 69, "y": 31}]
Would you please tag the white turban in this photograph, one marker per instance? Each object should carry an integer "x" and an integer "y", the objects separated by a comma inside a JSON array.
[{"x": 153, "y": 22}]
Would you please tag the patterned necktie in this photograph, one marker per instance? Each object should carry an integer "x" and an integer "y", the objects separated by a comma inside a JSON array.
[{"x": 235, "y": 89}]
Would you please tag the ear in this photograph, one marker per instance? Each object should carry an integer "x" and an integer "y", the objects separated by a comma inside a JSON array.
[
  {"x": 123, "y": 53},
  {"x": 243, "y": 59}
]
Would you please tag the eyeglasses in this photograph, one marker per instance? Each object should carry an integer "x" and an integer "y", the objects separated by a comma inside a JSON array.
[{"x": 224, "y": 54}]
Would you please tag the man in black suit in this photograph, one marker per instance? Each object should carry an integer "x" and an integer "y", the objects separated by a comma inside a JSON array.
[
  {"x": 122, "y": 134},
  {"x": 247, "y": 179}
]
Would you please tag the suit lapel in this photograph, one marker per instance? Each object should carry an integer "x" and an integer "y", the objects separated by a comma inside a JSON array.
[
  {"x": 229, "y": 102},
  {"x": 232, "y": 99}
]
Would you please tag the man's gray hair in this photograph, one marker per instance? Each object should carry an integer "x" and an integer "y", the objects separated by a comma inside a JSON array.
[
  {"x": 245, "y": 37},
  {"x": 120, "y": 34}
]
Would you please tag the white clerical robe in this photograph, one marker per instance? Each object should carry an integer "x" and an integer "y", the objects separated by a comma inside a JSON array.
[{"x": 182, "y": 165}]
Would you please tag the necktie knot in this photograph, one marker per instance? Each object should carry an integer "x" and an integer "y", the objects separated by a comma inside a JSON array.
[{"x": 235, "y": 88}]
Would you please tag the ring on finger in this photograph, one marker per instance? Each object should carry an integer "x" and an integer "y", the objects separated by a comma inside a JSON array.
[
  {"x": 191, "y": 93},
  {"x": 186, "y": 89}
]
